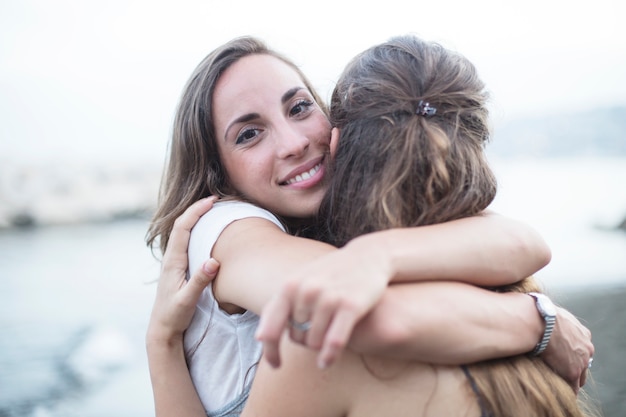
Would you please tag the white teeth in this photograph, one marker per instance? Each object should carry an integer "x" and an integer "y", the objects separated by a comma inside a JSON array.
[{"x": 304, "y": 175}]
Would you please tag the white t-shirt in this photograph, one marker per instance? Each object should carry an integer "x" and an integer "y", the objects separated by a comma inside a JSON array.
[{"x": 220, "y": 348}]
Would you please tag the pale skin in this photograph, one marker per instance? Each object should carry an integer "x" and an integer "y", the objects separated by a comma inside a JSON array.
[
  {"x": 357, "y": 385},
  {"x": 477, "y": 323},
  {"x": 268, "y": 136},
  {"x": 343, "y": 285},
  {"x": 279, "y": 260},
  {"x": 273, "y": 141},
  {"x": 488, "y": 314}
]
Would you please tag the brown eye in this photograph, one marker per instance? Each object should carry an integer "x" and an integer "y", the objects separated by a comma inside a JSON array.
[
  {"x": 300, "y": 107},
  {"x": 246, "y": 136}
]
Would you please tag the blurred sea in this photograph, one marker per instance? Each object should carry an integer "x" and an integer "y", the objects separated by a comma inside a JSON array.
[{"x": 75, "y": 299}]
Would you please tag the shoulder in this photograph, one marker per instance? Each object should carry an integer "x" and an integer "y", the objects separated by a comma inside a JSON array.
[
  {"x": 225, "y": 212},
  {"x": 300, "y": 388},
  {"x": 212, "y": 224}
]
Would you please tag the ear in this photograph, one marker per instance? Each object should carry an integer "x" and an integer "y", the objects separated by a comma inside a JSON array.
[{"x": 334, "y": 140}]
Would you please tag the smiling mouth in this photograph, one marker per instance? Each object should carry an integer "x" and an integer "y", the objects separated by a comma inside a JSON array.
[{"x": 304, "y": 176}]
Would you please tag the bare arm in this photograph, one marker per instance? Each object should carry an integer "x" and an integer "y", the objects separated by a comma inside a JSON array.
[
  {"x": 465, "y": 324},
  {"x": 173, "y": 389},
  {"x": 486, "y": 250},
  {"x": 457, "y": 323},
  {"x": 287, "y": 277},
  {"x": 257, "y": 259},
  {"x": 487, "y": 324},
  {"x": 174, "y": 306}
]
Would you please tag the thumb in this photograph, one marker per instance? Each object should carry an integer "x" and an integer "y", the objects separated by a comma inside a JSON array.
[{"x": 203, "y": 276}]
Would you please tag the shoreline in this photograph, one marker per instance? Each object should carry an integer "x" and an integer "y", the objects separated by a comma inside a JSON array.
[{"x": 41, "y": 194}]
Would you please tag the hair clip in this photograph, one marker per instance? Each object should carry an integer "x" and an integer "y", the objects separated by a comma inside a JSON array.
[{"x": 424, "y": 109}]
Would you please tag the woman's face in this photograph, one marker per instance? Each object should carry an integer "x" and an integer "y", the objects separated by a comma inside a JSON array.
[{"x": 272, "y": 137}]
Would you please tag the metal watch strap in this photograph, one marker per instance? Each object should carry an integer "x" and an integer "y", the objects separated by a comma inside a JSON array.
[{"x": 548, "y": 312}]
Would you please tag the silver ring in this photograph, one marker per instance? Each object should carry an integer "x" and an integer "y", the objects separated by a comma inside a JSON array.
[
  {"x": 303, "y": 327},
  {"x": 590, "y": 363}
]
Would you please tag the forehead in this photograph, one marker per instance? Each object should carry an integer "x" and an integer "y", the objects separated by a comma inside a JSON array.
[{"x": 254, "y": 79}]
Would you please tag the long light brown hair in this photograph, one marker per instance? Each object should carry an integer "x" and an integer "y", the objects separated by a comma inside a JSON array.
[
  {"x": 194, "y": 169},
  {"x": 395, "y": 167}
]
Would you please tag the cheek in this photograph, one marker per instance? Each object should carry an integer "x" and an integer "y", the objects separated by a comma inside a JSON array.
[
  {"x": 247, "y": 171},
  {"x": 321, "y": 131}
]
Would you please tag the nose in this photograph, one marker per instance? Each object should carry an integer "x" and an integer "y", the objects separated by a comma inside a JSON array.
[{"x": 291, "y": 140}]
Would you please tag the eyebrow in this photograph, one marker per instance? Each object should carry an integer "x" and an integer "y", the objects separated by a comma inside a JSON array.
[
  {"x": 251, "y": 116},
  {"x": 241, "y": 119},
  {"x": 289, "y": 94}
]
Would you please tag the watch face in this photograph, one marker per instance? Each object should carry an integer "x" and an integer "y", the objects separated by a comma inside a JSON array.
[{"x": 546, "y": 305}]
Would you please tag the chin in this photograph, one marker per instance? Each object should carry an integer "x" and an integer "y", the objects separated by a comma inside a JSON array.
[{"x": 301, "y": 214}]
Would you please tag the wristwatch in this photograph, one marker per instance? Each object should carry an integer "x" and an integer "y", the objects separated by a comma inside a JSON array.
[{"x": 547, "y": 310}]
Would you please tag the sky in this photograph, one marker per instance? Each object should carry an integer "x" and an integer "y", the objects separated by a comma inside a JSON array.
[{"x": 100, "y": 80}]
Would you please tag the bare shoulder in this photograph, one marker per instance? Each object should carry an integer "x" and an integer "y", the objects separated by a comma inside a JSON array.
[
  {"x": 299, "y": 387},
  {"x": 357, "y": 385}
]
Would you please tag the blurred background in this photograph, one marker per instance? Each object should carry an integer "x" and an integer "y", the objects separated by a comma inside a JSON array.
[{"x": 87, "y": 97}]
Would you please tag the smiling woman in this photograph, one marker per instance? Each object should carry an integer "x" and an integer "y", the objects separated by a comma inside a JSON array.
[
  {"x": 242, "y": 138},
  {"x": 275, "y": 157},
  {"x": 237, "y": 135},
  {"x": 249, "y": 128}
]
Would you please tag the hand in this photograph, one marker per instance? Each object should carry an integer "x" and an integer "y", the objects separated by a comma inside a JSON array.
[
  {"x": 329, "y": 296},
  {"x": 570, "y": 349},
  {"x": 176, "y": 297}
]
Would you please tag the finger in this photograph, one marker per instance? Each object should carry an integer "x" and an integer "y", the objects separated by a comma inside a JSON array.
[
  {"x": 304, "y": 303},
  {"x": 297, "y": 335},
  {"x": 176, "y": 254},
  {"x": 200, "y": 279},
  {"x": 299, "y": 327},
  {"x": 272, "y": 325},
  {"x": 320, "y": 322},
  {"x": 587, "y": 368},
  {"x": 337, "y": 337},
  {"x": 583, "y": 379},
  {"x": 179, "y": 236},
  {"x": 298, "y": 310}
]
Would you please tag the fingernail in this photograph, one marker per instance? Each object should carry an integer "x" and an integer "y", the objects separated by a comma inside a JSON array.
[{"x": 210, "y": 266}]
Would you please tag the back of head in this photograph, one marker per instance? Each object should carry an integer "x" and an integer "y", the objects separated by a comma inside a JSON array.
[
  {"x": 395, "y": 167},
  {"x": 399, "y": 165},
  {"x": 194, "y": 167}
]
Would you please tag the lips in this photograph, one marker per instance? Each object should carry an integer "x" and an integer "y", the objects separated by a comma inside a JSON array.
[
  {"x": 304, "y": 172},
  {"x": 305, "y": 175}
]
